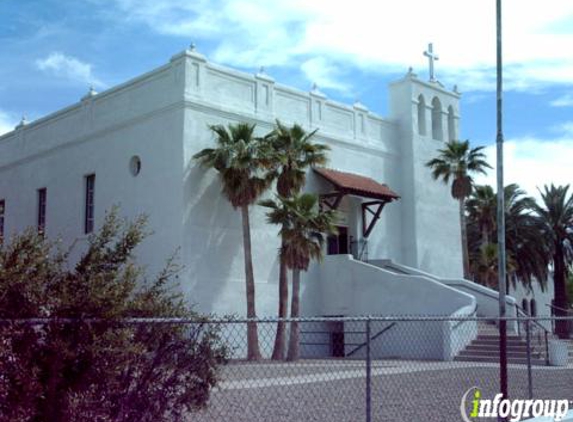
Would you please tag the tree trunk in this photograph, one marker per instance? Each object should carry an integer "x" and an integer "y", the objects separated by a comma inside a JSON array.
[
  {"x": 51, "y": 407},
  {"x": 280, "y": 338},
  {"x": 465, "y": 254},
  {"x": 293, "y": 345},
  {"x": 484, "y": 236},
  {"x": 253, "y": 352},
  {"x": 559, "y": 280}
]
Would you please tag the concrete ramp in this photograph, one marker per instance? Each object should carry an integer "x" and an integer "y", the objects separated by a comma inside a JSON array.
[
  {"x": 487, "y": 299},
  {"x": 347, "y": 287}
]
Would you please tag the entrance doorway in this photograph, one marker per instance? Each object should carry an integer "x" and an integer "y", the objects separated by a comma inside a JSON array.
[
  {"x": 338, "y": 244},
  {"x": 337, "y": 339}
]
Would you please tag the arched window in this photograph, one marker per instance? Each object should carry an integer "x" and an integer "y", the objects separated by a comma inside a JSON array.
[
  {"x": 525, "y": 306},
  {"x": 451, "y": 124},
  {"x": 437, "y": 130},
  {"x": 533, "y": 307},
  {"x": 421, "y": 115}
]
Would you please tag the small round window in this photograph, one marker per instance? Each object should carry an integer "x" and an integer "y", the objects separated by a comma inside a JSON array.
[{"x": 135, "y": 165}]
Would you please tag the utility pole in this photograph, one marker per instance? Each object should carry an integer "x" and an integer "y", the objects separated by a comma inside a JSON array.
[{"x": 501, "y": 215}]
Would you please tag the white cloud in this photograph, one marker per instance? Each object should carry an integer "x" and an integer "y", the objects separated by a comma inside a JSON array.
[
  {"x": 7, "y": 122},
  {"x": 378, "y": 37},
  {"x": 70, "y": 68},
  {"x": 564, "y": 129},
  {"x": 324, "y": 74},
  {"x": 533, "y": 163},
  {"x": 563, "y": 101}
]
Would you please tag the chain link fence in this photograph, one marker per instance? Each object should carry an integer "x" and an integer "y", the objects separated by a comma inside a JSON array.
[{"x": 378, "y": 368}]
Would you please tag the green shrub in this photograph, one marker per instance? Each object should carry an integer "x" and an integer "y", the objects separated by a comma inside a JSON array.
[{"x": 88, "y": 363}]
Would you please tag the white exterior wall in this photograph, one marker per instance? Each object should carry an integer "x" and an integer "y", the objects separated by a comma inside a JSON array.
[
  {"x": 543, "y": 298},
  {"x": 163, "y": 118},
  {"x": 353, "y": 288},
  {"x": 430, "y": 216},
  {"x": 100, "y": 135}
]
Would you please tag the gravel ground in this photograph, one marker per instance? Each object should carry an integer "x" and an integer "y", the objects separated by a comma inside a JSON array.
[{"x": 334, "y": 391}]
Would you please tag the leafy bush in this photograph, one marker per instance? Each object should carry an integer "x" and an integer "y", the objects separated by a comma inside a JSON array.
[{"x": 87, "y": 362}]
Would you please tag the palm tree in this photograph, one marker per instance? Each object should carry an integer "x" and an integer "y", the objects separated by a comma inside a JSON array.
[
  {"x": 481, "y": 208},
  {"x": 458, "y": 162},
  {"x": 303, "y": 226},
  {"x": 523, "y": 232},
  {"x": 485, "y": 265},
  {"x": 239, "y": 159},
  {"x": 293, "y": 153},
  {"x": 526, "y": 253},
  {"x": 555, "y": 214}
]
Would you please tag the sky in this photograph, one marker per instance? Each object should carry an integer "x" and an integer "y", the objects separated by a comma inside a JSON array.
[{"x": 51, "y": 51}]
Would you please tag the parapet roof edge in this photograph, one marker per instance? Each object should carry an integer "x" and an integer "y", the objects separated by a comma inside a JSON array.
[{"x": 215, "y": 66}]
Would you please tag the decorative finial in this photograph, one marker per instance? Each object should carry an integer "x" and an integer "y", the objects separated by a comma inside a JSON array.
[
  {"x": 357, "y": 104},
  {"x": 456, "y": 89},
  {"x": 316, "y": 92},
  {"x": 262, "y": 74},
  {"x": 91, "y": 93},
  {"x": 432, "y": 57},
  {"x": 192, "y": 46},
  {"x": 411, "y": 73},
  {"x": 23, "y": 122}
]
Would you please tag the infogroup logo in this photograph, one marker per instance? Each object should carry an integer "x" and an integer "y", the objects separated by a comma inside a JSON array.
[{"x": 516, "y": 410}]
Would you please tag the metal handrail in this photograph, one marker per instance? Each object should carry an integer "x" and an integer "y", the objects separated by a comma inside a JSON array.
[
  {"x": 364, "y": 250},
  {"x": 474, "y": 313},
  {"x": 529, "y": 320},
  {"x": 523, "y": 313},
  {"x": 374, "y": 337},
  {"x": 568, "y": 311}
]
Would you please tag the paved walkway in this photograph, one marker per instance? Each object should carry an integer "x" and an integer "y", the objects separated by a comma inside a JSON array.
[
  {"x": 260, "y": 375},
  {"x": 334, "y": 391}
]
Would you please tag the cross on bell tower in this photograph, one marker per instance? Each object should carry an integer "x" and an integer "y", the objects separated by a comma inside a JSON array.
[{"x": 432, "y": 57}]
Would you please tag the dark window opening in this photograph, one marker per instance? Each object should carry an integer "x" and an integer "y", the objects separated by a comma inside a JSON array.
[
  {"x": 42, "y": 202},
  {"x": 337, "y": 339},
  {"x": 338, "y": 244},
  {"x": 2, "y": 210},
  {"x": 89, "y": 211},
  {"x": 525, "y": 306},
  {"x": 533, "y": 308}
]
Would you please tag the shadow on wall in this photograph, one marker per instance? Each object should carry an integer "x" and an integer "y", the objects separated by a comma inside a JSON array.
[
  {"x": 209, "y": 237},
  {"x": 213, "y": 248}
]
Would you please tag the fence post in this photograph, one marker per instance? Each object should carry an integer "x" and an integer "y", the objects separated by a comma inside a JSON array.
[
  {"x": 547, "y": 348},
  {"x": 529, "y": 374},
  {"x": 518, "y": 322},
  {"x": 368, "y": 374}
]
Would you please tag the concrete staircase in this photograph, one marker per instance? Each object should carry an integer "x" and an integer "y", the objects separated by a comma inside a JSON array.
[{"x": 485, "y": 348}]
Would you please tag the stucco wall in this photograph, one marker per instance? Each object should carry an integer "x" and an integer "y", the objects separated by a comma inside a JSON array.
[
  {"x": 163, "y": 117},
  {"x": 352, "y": 288},
  {"x": 430, "y": 223},
  {"x": 359, "y": 140},
  {"x": 100, "y": 135}
]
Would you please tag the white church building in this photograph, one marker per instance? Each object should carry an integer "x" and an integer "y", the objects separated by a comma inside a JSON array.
[{"x": 398, "y": 251}]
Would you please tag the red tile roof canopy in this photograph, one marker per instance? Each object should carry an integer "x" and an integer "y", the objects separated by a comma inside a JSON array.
[{"x": 354, "y": 184}]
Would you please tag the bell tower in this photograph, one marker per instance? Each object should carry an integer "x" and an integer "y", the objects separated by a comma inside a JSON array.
[{"x": 427, "y": 115}]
